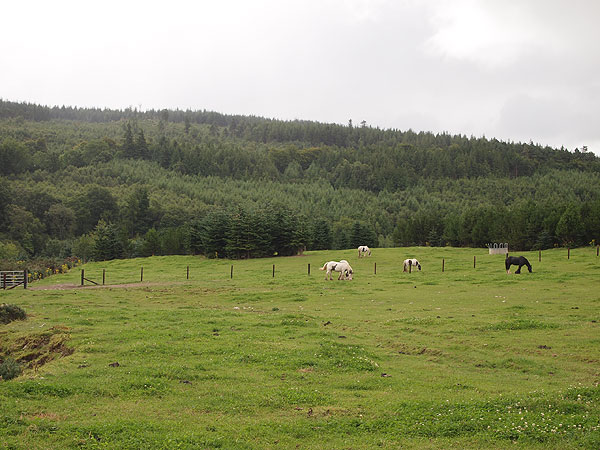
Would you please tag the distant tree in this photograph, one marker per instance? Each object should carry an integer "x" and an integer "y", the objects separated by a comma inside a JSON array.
[
  {"x": 26, "y": 229},
  {"x": 293, "y": 172},
  {"x": 58, "y": 248},
  {"x": 209, "y": 235},
  {"x": 84, "y": 246},
  {"x": 400, "y": 234},
  {"x": 242, "y": 237},
  {"x": 172, "y": 240},
  {"x": 38, "y": 200},
  {"x": 108, "y": 245},
  {"x": 362, "y": 234},
  {"x": 60, "y": 220},
  {"x": 136, "y": 214},
  {"x": 128, "y": 146},
  {"x": 282, "y": 224},
  {"x": 321, "y": 236},
  {"x": 94, "y": 203},
  {"x": 301, "y": 235},
  {"x": 569, "y": 227},
  {"x": 152, "y": 243},
  {"x": 5, "y": 200},
  {"x": 342, "y": 233},
  {"x": 14, "y": 157},
  {"x": 140, "y": 145},
  {"x": 10, "y": 251}
]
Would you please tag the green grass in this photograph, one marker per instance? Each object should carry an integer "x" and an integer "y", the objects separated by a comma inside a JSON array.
[{"x": 468, "y": 358}]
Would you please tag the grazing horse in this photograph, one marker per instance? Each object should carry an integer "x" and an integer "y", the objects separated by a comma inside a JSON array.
[
  {"x": 362, "y": 250},
  {"x": 517, "y": 261},
  {"x": 342, "y": 267},
  {"x": 410, "y": 262}
]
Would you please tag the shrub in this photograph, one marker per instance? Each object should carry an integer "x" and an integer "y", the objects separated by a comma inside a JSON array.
[
  {"x": 8, "y": 313},
  {"x": 9, "y": 369}
]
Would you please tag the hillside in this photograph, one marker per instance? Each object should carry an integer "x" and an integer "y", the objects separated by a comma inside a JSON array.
[{"x": 110, "y": 183}]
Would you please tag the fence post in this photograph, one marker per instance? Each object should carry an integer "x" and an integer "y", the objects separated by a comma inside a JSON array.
[
  {"x": 82, "y": 275},
  {"x": 309, "y": 268},
  {"x": 597, "y": 250},
  {"x": 25, "y": 275},
  {"x": 273, "y": 270},
  {"x": 443, "y": 262},
  {"x": 188, "y": 272},
  {"x": 540, "y": 256},
  {"x": 103, "y": 276},
  {"x": 4, "y": 280},
  {"x": 231, "y": 276},
  {"x": 474, "y": 261},
  {"x": 568, "y": 253},
  {"x": 410, "y": 267},
  {"x": 375, "y": 268},
  {"x": 142, "y": 274}
]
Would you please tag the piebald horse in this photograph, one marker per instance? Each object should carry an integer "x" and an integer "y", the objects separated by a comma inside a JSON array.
[
  {"x": 342, "y": 267},
  {"x": 410, "y": 262},
  {"x": 364, "y": 249},
  {"x": 516, "y": 261}
]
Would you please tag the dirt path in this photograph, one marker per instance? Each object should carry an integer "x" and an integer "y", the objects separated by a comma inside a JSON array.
[{"x": 64, "y": 287}]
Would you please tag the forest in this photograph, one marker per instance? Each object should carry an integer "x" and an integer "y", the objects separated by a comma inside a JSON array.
[{"x": 103, "y": 184}]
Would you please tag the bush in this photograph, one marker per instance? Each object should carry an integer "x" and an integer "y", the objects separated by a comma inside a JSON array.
[
  {"x": 8, "y": 313},
  {"x": 9, "y": 369}
]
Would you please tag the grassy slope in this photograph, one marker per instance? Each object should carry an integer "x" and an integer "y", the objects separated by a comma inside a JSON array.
[{"x": 472, "y": 357}]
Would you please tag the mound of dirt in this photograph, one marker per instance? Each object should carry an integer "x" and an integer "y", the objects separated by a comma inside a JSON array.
[{"x": 37, "y": 349}]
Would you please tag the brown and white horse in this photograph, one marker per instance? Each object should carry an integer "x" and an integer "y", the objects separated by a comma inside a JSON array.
[
  {"x": 362, "y": 250},
  {"x": 342, "y": 267}
]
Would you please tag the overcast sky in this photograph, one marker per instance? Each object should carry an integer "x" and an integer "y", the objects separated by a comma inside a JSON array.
[{"x": 517, "y": 70}]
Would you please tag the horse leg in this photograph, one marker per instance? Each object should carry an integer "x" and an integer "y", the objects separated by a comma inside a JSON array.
[{"x": 519, "y": 269}]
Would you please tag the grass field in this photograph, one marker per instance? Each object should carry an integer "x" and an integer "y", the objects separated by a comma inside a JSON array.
[{"x": 468, "y": 358}]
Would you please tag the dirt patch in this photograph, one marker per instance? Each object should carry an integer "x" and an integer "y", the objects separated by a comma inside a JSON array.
[
  {"x": 36, "y": 349},
  {"x": 404, "y": 349}
]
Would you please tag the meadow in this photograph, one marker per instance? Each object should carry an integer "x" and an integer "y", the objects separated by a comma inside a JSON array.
[{"x": 467, "y": 358}]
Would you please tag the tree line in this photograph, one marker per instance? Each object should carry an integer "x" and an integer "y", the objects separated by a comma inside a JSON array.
[{"x": 137, "y": 183}]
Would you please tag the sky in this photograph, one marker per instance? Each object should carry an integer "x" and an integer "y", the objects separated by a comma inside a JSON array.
[{"x": 515, "y": 70}]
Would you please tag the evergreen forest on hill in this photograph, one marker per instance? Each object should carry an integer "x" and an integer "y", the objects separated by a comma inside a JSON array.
[{"x": 103, "y": 184}]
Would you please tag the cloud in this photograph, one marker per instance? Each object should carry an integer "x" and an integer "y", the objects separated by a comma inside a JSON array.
[{"x": 516, "y": 70}]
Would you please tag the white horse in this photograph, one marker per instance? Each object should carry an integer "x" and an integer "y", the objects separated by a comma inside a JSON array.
[
  {"x": 410, "y": 262},
  {"x": 342, "y": 267},
  {"x": 362, "y": 250}
]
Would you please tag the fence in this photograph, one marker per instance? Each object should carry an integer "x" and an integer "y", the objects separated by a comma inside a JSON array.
[{"x": 12, "y": 278}]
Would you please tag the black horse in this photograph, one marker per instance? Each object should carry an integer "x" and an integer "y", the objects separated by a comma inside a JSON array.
[{"x": 517, "y": 261}]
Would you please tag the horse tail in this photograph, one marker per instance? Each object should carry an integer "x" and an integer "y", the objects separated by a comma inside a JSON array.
[{"x": 324, "y": 267}]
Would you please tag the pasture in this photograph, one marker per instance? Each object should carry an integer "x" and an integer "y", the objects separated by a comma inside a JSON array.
[{"x": 467, "y": 358}]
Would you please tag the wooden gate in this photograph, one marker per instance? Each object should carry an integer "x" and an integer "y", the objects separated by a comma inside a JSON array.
[{"x": 10, "y": 279}]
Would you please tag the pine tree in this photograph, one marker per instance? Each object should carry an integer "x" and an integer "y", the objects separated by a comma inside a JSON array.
[
  {"x": 141, "y": 146},
  {"x": 107, "y": 245},
  {"x": 128, "y": 146}
]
